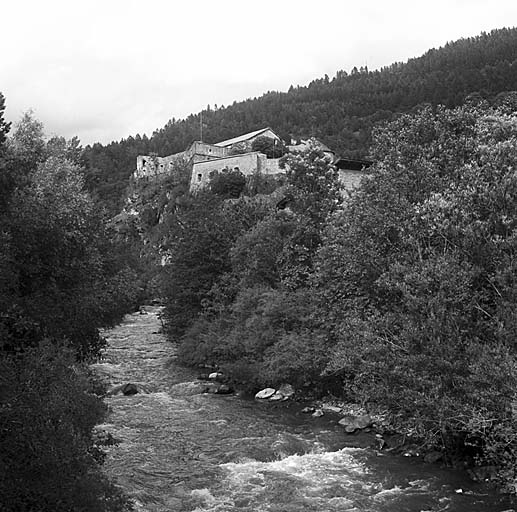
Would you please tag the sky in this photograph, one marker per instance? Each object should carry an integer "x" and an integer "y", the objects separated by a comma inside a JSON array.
[{"x": 107, "y": 69}]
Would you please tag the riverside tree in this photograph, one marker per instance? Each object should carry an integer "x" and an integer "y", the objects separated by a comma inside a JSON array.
[
  {"x": 56, "y": 289},
  {"x": 416, "y": 281}
]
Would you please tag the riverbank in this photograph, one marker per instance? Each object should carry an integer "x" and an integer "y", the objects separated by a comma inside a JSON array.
[{"x": 182, "y": 450}]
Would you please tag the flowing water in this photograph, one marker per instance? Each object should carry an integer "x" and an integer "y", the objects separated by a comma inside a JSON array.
[{"x": 182, "y": 450}]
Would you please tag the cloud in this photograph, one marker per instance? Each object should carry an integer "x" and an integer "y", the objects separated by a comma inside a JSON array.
[{"x": 105, "y": 70}]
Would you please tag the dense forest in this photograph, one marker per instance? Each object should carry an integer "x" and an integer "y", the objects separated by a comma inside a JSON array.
[{"x": 340, "y": 112}]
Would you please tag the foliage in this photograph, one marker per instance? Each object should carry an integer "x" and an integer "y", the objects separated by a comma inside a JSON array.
[
  {"x": 47, "y": 455},
  {"x": 4, "y": 125},
  {"x": 199, "y": 236},
  {"x": 54, "y": 262},
  {"x": 260, "y": 304},
  {"x": 28, "y": 141},
  {"x": 228, "y": 184},
  {"x": 61, "y": 278},
  {"x": 415, "y": 277},
  {"x": 272, "y": 148}
]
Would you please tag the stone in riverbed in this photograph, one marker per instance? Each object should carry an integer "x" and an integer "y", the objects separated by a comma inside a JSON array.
[
  {"x": 308, "y": 410},
  {"x": 433, "y": 457},
  {"x": 277, "y": 397},
  {"x": 130, "y": 389},
  {"x": 353, "y": 423},
  {"x": 216, "y": 376},
  {"x": 331, "y": 408},
  {"x": 318, "y": 413},
  {"x": 265, "y": 393},
  {"x": 223, "y": 389},
  {"x": 286, "y": 390}
]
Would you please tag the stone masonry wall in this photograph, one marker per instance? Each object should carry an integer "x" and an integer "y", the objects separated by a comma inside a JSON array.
[{"x": 247, "y": 164}]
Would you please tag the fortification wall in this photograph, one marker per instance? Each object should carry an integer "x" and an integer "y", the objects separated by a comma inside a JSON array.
[
  {"x": 150, "y": 166},
  {"x": 350, "y": 179}
]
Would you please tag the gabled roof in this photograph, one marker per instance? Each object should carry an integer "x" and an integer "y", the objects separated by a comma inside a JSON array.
[{"x": 241, "y": 138}]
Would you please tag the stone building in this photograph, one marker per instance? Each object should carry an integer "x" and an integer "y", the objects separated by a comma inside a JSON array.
[
  {"x": 244, "y": 142},
  {"x": 205, "y": 160},
  {"x": 246, "y": 163},
  {"x": 351, "y": 171}
]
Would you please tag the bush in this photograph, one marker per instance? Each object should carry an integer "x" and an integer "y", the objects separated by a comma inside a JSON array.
[
  {"x": 47, "y": 457},
  {"x": 416, "y": 278}
]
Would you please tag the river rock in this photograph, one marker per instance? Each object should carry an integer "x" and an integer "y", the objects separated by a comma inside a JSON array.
[
  {"x": 223, "y": 389},
  {"x": 216, "y": 376},
  {"x": 265, "y": 393},
  {"x": 190, "y": 388},
  {"x": 128, "y": 389},
  {"x": 433, "y": 457},
  {"x": 277, "y": 397},
  {"x": 308, "y": 410},
  {"x": 483, "y": 473},
  {"x": 353, "y": 423},
  {"x": 318, "y": 413},
  {"x": 331, "y": 408},
  {"x": 286, "y": 390}
]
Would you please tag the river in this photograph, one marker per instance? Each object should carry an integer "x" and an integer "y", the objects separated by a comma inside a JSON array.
[{"x": 182, "y": 450}]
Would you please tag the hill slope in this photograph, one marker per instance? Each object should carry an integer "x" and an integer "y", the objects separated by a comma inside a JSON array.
[{"x": 341, "y": 111}]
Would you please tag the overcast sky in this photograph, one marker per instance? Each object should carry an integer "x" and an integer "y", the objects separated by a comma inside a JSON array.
[{"x": 107, "y": 69}]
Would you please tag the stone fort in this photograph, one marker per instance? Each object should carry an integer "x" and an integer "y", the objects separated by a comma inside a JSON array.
[{"x": 236, "y": 154}]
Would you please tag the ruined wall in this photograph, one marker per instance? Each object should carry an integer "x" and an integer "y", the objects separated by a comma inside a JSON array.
[
  {"x": 272, "y": 166},
  {"x": 150, "y": 166},
  {"x": 350, "y": 179}
]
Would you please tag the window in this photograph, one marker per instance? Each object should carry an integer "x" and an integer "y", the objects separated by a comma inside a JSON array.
[{"x": 199, "y": 177}]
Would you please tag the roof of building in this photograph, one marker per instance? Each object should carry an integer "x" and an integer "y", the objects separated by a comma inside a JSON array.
[
  {"x": 241, "y": 138},
  {"x": 352, "y": 164}
]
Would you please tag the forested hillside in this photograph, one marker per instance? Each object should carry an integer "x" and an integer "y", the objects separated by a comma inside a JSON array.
[{"x": 340, "y": 111}]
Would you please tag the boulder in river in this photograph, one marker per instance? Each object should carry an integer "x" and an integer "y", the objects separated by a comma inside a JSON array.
[
  {"x": 353, "y": 423},
  {"x": 277, "y": 397},
  {"x": 433, "y": 457},
  {"x": 265, "y": 393},
  {"x": 286, "y": 390},
  {"x": 216, "y": 376},
  {"x": 308, "y": 410},
  {"x": 331, "y": 408},
  {"x": 223, "y": 389},
  {"x": 128, "y": 389},
  {"x": 318, "y": 413}
]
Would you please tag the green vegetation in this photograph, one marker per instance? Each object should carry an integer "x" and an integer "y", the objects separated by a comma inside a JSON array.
[
  {"x": 401, "y": 298},
  {"x": 61, "y": 279}
]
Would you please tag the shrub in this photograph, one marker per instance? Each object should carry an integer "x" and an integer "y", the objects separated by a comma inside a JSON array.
[{"x": 47, "y": 457}]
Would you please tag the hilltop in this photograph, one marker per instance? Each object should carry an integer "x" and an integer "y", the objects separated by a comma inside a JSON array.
[{"x": 341, "y": 112}]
